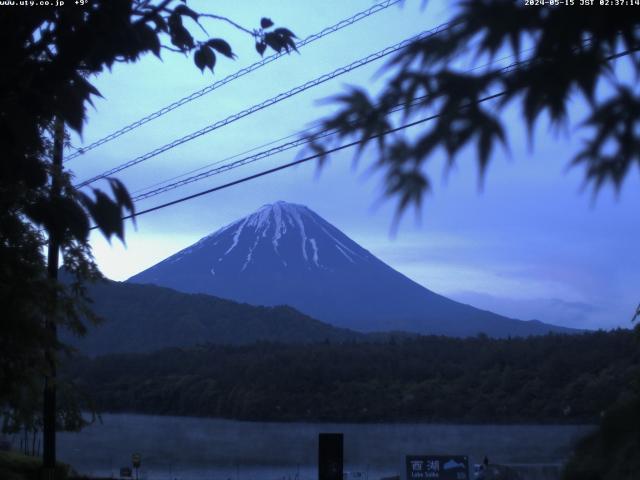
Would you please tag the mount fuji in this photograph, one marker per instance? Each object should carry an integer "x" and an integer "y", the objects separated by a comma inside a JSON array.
[{"x": 286, "y": 254}]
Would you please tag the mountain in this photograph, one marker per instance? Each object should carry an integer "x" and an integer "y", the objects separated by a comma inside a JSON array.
[
  {"x": 144, "y": 318},
  {"x": 285, "y": 254}
]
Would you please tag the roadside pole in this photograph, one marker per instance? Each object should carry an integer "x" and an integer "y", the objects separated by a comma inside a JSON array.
[
  {"x": 136, "y": 460},
  {"x": 53, "y": 258}
]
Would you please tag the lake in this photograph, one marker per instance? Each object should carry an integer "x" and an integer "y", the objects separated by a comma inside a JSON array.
[{"x": 186, "y": 448}]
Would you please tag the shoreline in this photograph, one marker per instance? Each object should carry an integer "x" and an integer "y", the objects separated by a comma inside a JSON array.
[{"x": 409, "y": 421}]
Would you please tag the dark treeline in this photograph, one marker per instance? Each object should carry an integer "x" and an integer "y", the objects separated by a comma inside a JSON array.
[{"x": 554, "y": 378}]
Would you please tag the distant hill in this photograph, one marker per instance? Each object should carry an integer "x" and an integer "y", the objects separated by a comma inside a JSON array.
[
  {"x": 285, "y": 254},
  {"x": 144, "y": 318}
]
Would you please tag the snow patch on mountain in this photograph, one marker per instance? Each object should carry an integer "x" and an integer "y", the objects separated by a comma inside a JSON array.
[
  {"x": 236, "y": 236},
  {"x": 250, "y": 254},
  {"x": 315, "y": 251},
  {"x": 277, "y": 223}
]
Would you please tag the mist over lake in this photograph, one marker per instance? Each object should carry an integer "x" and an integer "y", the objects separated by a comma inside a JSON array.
[{"x": 203, "y": 448}]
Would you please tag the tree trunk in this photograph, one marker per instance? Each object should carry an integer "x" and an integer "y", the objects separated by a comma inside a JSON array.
[{"x": 49, "y": 404}]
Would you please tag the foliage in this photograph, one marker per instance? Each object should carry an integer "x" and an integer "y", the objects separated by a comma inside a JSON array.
[
  {"x": 14, "y": 466},
  {"x": 553, "y": 378},
  {"x": 613, "y": 451},
  {"x": 49, "y": 56},
  {"x": 561, "y": 53},
  {"x": 23, "y": 413}
]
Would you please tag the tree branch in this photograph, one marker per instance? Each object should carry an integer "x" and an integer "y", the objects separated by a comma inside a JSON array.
[
  {"x": 228, "y": 20},
  {"x": 153, "y": 12},
  {"x": 177, "y": 50}
]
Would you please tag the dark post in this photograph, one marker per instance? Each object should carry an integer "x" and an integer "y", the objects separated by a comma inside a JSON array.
[
  {"x": 49, "y": 401},
  {"x": 330, "y": 456}
]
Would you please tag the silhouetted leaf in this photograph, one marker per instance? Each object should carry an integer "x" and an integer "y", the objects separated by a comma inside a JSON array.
[
  {"x": 204, "y": 58},
  {"x": 266, "y": 23},
  {"x": 148, "y": 38},
  {"x": 280, "y": 39},
  {"x": 221, "y": 46},
  {"x": 284, "y": 33},
  {"x": 272, "y": 40},
  {"x": 615, "y": 146},
  {"x": 186, "y": 11},
  {"x": 121, "y": 194},
  {"x": 198, "y": 59},
  {"x": 161, "y": 24},
  {"x": 180, "y": 36},
  {"x": 105, "y": 213}
]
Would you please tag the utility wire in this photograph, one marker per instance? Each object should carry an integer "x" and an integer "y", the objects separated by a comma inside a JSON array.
[
  {"x": 250, "y": 159},
  {"x": 345, "y": 146},
  {"x": 218, "y": 162},
  {"x": 303, "y": 139},
  {"x": 230, "y": 166},
  {"x": 297, "y": 162},
  {"x": 165, "y": 186},
  {"x": 240, "y": 73},
  {"x": 271, "y": 101}
]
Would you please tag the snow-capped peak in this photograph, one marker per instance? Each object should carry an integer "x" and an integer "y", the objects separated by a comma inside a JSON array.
[{"x": 278, "y": 235}]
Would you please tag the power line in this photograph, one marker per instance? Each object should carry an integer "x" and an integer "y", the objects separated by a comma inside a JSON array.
[
  {"x": 243, "y": 161},
  {"x": 345, "y": 146},
  {"x": 217, "y": 162},
  {"x": 298, "y": 162},
  {"x": 342, "y": 147},
  {"x": 271, "y": 101},
  {"x": 230, "y": 166},
  {"x": 240, "y": 73},
  {"x": 165, "y": 186},
  {"x": 247, "y": 160}
]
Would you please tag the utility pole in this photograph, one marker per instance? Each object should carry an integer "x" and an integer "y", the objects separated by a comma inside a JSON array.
[{"x": 53, "y": 258}]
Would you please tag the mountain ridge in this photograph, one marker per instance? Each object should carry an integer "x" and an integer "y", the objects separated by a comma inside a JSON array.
[{"x": 146, "y": 318}]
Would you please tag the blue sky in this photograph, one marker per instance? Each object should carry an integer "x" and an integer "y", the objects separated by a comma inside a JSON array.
[{"x": 532, "y": 244}]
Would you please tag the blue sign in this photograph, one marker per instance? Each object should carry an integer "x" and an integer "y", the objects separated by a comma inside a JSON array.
[{"x": 437, "y": 467}]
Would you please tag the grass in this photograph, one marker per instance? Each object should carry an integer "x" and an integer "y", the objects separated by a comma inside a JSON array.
[{"x": 17, "y": 466}]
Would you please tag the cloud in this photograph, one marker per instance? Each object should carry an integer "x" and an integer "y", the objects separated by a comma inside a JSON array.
[{"x": 576, "y": 314}]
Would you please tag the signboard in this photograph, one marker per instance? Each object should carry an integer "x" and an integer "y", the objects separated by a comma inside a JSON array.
[
  {"x": 135, "y": 460},
  {"x": 437, "y": 467},
  {"x": 125, "y": 472}
]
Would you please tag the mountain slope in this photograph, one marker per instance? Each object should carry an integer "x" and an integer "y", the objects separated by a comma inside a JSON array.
[
  {"x": 144, "y": 318},
  {"x": 287, "y": 254}
]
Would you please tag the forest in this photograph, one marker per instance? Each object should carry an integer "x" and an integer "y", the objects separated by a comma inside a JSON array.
[{"x": 544, "y": 379}]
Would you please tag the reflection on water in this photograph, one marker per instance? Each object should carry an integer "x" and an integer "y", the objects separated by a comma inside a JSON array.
[{"x": 186, "y": 448}]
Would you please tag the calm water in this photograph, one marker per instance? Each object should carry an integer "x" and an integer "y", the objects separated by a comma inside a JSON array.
[{"x": 187, "y": 448}]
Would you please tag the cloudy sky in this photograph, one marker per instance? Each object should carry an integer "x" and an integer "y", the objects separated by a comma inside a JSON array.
[{"x": 533, "y": 243}]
